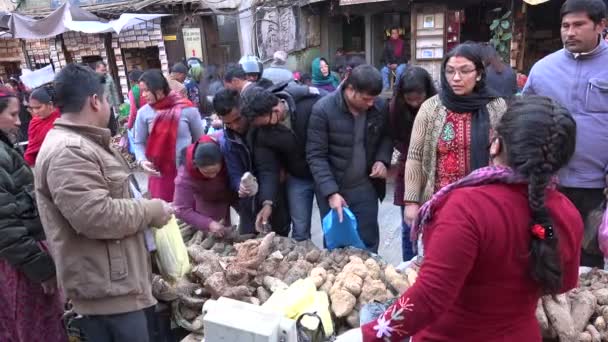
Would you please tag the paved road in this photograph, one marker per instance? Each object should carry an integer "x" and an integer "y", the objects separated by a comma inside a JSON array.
[{"x": 389, "y": 218}]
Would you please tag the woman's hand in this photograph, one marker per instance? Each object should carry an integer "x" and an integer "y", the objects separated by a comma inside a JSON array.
[
  {"x": 149, "y": 168},
  {"x": 411, "y": 213},
  {"x": 217, "y": 228}
]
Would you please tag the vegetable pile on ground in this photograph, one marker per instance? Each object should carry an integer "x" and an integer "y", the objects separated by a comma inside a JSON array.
[
  {"x": 250, "y": 270},
  {"x": 579, "y": 315}
]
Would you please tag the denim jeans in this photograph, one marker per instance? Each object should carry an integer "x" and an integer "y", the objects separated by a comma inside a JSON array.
[
  {"x": 386, "y": 83},
  {"x": 407, "y": 248},
  {"x": 300, "y": 195}
]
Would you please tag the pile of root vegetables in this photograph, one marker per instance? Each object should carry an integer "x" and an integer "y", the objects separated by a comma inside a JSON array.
[
  {"x": 579, "y": 315},
  {"x": 250, "y": 270}
]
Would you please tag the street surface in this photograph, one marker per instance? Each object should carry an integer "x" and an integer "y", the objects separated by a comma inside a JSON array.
[{"x": 389, "y": 218}]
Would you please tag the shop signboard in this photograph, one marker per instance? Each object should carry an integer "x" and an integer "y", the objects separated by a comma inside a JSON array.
[{"x": 193, "y": 43}]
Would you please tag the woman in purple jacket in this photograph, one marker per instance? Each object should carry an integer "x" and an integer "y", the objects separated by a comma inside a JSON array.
[{"x": 202, "y": 192}]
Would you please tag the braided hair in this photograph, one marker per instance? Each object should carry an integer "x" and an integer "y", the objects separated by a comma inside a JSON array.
[{"x": 539, "y": 137}]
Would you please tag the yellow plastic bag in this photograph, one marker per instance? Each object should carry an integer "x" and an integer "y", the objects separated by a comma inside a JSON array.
[
  {"x": 302, "y": 296},
  {"x": 320, "y": 306},
  {"x": 171, "y": 252}
]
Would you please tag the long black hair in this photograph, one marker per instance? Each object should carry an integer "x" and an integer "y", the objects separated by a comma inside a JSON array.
[
  {"x": 539, "y": 136},
  {"x": 402, "y": 115},
  {"x": 491, "y": 58},
  {"x": 154, "y": 80},
  {"x": 44, "y": 94}
]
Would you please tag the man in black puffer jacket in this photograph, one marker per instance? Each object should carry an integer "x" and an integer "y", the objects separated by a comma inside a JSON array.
[
  {"x": 348, "y": 150},
  {"x": 280, "y": 119}
]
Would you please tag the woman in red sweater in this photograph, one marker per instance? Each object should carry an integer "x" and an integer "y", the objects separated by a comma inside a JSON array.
[
  {"x": 44, "y": 114},
  {"x": 496, "y": 241}
]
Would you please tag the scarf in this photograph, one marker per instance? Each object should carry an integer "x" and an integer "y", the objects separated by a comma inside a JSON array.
[
  {"x": 37, "y": 131},
  {"x": 317, "y": 76},
  {"x": 190, "y": 165},
  {"x": 482, "y": 176},
  {"x": 160, "y": 149},
  {"x": 136, "y": 96},
  {"x": 397, "y": 45},
  {"x": 476, "y": 104}
]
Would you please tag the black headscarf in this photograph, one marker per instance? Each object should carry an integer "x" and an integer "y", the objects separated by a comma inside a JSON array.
[{"x": 476, "y": 104}]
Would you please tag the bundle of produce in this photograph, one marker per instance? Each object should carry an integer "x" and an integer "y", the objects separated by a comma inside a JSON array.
[
  {"x": 579, "y": 315},
  {"x": 250, "y": 270}
]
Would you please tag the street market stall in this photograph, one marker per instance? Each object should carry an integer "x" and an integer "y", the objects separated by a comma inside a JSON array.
[{"x": 279, "y": 274}]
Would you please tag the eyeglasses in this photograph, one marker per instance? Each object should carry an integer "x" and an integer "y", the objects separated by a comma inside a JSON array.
[{"x": 450, "y": 73}]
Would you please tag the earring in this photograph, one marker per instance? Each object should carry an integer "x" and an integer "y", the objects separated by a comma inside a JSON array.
[{"x": 478, "y": 79}]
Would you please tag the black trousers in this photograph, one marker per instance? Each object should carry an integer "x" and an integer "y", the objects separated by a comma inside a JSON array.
[
  {"x": 136, "y": 326},
  {"x": 363, "y": 202},
  {"x": 280, "y": 220},
  {"x": 585, "y": 200}
]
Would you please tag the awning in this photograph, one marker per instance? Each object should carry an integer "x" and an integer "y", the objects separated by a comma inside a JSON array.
[
  {"x": 535, "y": 2},
  {"x": 72, "y": 18},
  {"x": 125, "y": 20},
  {"x": 357, "y": 2}
]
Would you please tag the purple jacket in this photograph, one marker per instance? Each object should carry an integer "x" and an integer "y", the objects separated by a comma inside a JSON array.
[
  {"x": 198, "y": 202},
  {"x": 581, "y": 85}
]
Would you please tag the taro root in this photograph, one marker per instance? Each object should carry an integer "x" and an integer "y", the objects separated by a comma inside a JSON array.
[
  {"x": 262, "y": 294},
  {"x": 601, "y": 295},
  {"x": 299, "y": 270},
  {"x": 318, "y": 276},
  {"x": 313, "y": 256},
  {"x": 353, "y": 319},
  {"x": 373, "y": 290},
  {"x": 353, "y": 284},
  {"x": 274, "y": 284},
  {"x": 395, "y": 279},
  {"x": 342, "y": 303},
  {"x": 373, "y": 268}
]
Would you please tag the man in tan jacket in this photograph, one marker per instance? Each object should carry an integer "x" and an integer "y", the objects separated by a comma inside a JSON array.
[{"x": 94, "y": 225}]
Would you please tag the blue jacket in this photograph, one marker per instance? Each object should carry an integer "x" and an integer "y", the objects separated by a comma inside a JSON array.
[
  {"x": 237, "y": 158},
  {"x": 579, "y": 83}
]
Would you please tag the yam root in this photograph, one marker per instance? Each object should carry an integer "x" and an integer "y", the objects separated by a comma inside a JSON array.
[
  {"x": 582, "y": 308},
  {"x": 545, "y": 328},
  {"x": 601, "y": 295},
  {"x": 595, "y": 335},
  {"x": 585, "y": 337},
  {"x": 558, "y": 313},
  {"x": 313, "y": 256}
]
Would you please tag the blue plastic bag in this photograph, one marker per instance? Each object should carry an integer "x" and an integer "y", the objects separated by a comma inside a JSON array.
[{"x": 341, "y": 234}]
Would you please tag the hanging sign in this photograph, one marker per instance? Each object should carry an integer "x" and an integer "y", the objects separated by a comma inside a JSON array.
[{"x": 193, "y": 42}]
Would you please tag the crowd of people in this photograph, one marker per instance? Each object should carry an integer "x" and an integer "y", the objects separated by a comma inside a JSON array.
[{"x": 483, "y": 176}]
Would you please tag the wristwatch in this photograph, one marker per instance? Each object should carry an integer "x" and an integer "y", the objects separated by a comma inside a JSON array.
[{"x": 268, "y": 203}]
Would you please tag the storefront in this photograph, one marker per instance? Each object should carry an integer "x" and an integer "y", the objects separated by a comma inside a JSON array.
[
  {"x": 439, "y": 26},
  {"x": 361, "y": 27}
]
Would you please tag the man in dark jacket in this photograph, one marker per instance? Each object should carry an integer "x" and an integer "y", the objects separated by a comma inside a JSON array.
[
  {"x": 280, "y": 117},
  {"x": 394, "y": 57},
  {"x": 348, "y": 150},
  {"x": 239, "y": 160},
  {"x": 227, "y": 104}
]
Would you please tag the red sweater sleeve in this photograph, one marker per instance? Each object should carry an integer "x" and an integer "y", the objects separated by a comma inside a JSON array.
[{"x": 452, "y": 244}]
